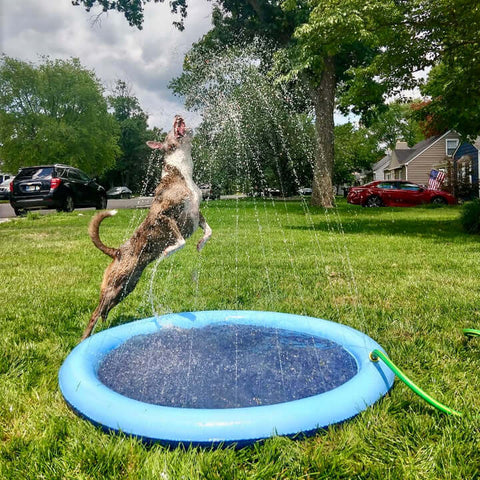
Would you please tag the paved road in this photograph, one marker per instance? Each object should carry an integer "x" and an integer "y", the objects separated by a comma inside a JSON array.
[{"x": 6, "y": 211}]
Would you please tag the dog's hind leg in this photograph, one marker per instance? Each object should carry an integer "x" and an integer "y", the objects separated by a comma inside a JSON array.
[
  {"x": 207, "y": 232},
  {"x": 93, "y": 321},
  {"x": 109, "y": 298},
  {"x": 115, "y": 286}
]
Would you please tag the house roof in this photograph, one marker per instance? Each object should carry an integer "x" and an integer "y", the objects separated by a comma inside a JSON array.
[
  {"x": 382, "y": 163},
  {"x": 404, "y": 156}
]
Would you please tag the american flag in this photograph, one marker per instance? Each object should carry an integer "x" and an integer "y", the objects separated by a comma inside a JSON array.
[{"x": 436, "y": 179}]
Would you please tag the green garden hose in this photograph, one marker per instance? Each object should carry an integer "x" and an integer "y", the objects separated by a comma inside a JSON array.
[
  {"x": 377, "y": 354},
  {"x": 470, "y": 332}
]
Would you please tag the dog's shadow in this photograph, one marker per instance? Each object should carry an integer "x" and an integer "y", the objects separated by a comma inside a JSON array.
[{"x": 118, "y": 320}]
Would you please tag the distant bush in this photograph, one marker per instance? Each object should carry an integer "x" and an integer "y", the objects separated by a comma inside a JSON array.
[{"x": 470, "y": 217}]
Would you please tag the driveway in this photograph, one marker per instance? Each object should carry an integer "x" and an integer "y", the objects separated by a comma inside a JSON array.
[{"x": 6, "y": 211}]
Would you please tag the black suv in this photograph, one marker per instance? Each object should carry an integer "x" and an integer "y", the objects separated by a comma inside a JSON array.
[{"x": 55, "y": 186}]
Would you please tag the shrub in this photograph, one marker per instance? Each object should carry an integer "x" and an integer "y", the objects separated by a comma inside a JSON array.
[{"x": 470, "y": 216}]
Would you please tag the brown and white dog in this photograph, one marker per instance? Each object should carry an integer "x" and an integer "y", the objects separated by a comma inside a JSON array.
[{"x": 173, "y": 216}]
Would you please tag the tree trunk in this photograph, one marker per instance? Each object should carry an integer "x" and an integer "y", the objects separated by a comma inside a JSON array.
[{"x": 324, "y": 102}]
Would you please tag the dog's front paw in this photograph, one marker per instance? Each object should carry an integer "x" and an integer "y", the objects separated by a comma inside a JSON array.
[
  {"x": 201, "y": 244},
  {"x": 205, "y": 238},
  {"x": 173, "y": 248}
]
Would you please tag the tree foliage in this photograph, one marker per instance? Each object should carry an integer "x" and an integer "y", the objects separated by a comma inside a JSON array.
[
  {"x": 440, "y": 36},
  {"x": 455, "y": 99},
  {"x": 250, "y": 137},
  {"x": 397, "y": 122},
  {"x": 133, "y": 9},
  {"x": 54, "y": 113},
  {"x": 451, "y": 27},
  {"x": 131, "y": 166},
  {"x": 356, "y": 149},
  {"x": 237, "y": 23}
]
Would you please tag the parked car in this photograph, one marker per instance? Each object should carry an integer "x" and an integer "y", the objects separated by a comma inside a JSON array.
[
  {"x": 5, "y": 176},
  {"x": 265, "y": 192},
  {"x": 5, "y": 189},
  {"x": 305, "y": 191},
  {"x": 396, "y": 193},
  {"x": 209, "y": 191},
  {"x": 119, "y": 192},
  {"x": 273, "y": 192},
  {"x": 55, "y": 186}
]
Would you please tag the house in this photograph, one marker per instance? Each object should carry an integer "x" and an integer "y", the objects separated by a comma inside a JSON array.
[
  {"x": 414, "y": 164},
  {"x": 465, "y": 171},
  {"x": 379, "y": 167}
]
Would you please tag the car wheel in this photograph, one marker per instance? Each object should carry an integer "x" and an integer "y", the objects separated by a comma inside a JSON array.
[
  {"x": 68, "y": 204},
  {"x": 439, "y": 201},
  {"x": 373, "y": 201},
  {"x": 19, "y": 212},
  {"x": 102, "y": 203}
]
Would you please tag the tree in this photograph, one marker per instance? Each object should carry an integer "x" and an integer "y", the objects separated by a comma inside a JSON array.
[
  {"x": 441, "y": 36},
  {"x": 397, "y": 122},
  {"x": 54, "y": 113},
  {"x": 356, "y": 149},
  {"x": 131, "y": 166},
  {"x": 251, "y": 137},
  {"x": 455, "y": 100},
  {"x": 451, "y": 28},
  {"x": 237, "y": 22}
]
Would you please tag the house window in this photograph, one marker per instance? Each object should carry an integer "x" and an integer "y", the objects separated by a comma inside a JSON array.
[{"x": 451, "y": 144}]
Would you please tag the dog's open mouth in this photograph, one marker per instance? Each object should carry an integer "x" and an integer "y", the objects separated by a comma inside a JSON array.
[{"x": 179, "y": 127}]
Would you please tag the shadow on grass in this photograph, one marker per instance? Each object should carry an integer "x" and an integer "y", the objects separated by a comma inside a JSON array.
[{"x": 390, "y": 222}]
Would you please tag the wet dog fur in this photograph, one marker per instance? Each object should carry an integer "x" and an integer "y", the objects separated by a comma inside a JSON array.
[{"x": 173, "y": 216}]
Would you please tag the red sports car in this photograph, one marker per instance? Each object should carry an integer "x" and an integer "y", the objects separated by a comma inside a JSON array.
[{"x": 396, "y": 193}]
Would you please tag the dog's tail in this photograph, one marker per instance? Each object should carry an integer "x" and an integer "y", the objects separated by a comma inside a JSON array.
[{"x": 93, "y": 230}]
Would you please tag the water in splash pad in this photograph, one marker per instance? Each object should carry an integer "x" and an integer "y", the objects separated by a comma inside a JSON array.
[{"x": 225, "y": 366}]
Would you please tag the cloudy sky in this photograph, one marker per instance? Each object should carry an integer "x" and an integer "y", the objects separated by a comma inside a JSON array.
[{"x": 146, "y": 59}]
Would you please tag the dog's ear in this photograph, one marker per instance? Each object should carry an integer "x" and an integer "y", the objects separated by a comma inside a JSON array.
[{"x": 156, "y": 145}]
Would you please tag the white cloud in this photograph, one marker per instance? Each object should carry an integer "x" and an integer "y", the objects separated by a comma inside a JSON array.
[{"x": 147, "y": 59}]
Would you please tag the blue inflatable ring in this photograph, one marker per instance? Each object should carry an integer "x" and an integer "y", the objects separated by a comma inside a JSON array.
[{"x": 102, "y": 406}]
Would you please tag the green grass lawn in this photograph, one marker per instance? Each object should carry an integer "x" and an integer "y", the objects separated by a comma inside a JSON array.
[{"x": 409, "y": 278}]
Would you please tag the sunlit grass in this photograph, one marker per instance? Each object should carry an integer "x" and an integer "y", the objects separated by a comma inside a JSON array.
[{"x": 409, "y": 278}]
